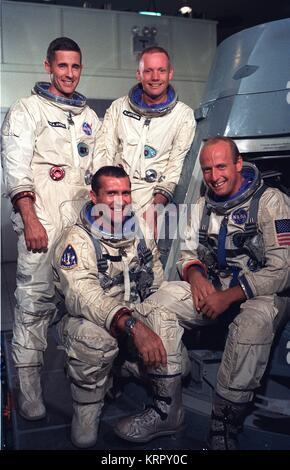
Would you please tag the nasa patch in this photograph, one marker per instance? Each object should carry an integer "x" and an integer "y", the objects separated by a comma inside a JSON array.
[
  {"x": 149, "y": 152},
  {"x": 69, "y": 258},
  {"x": 87, "y": 128},
  {"x": 240, "y": 216}
]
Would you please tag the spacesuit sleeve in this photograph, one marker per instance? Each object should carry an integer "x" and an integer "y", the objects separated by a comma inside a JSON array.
[
  {"x": 109, "y": 139},
  {"x": 181, "y": 145},
  {"x": 19, "y": 132},
  {"x": 189, "y": 245},
  {"x": 98, "y": 152},
  {"x": 274, "y": 223},
  {"x": 157, "y": 267},
  {"x": 76, "y": 266}
]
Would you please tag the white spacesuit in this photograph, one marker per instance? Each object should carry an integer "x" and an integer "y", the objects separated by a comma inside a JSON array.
[
  {"x": 238, "y": 242},
  {"x": 99, "y": 275},
  {"x": 149, "y": 142},
  {"x": 48, "y": 154}
]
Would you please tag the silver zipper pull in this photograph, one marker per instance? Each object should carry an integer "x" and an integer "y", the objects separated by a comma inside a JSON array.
[{"x": 70, "y": 120}]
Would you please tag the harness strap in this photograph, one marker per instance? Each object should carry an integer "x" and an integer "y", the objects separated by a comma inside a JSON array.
[
  {"x": 251, "y": 226},
  {"x": 204, "y": 224}
]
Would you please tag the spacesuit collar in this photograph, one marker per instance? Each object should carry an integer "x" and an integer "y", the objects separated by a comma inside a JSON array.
[
  {"x": 78, "y": 101},
  {"x": 155, "y": 110},
  {"x": 252, "y": 181},
  {"x": 129, "y": 231}
]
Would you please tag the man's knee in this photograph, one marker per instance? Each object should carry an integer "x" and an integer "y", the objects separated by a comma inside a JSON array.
[
  {"x": 255, "y": 323},
  {"x": 87, "y": 342}
]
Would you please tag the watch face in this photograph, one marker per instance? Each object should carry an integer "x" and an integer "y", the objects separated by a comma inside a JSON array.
[{"x": 129, "y": 325}]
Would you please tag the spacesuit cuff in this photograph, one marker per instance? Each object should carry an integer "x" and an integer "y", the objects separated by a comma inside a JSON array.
[
  {"x": 198, "y": 265},
  {"x": 21, "y": 195},
  {"x": 111, "y": 315},
  {"x": 21, "y": 189},
  {"x": 246, "y": 287},
  {"x": 164, "y": 191}
]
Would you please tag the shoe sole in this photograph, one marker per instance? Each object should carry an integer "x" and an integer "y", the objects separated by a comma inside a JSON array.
[
  {"x": 31, "y": 418},
  {"x": 150, "y": 438},
  {"x": 82, "y": 446}
]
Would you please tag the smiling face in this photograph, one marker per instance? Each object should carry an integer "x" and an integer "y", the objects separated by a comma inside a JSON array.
[
  {"x": 220, "y": 172},
  {"x": 115, "y": 194},
  {"x": 65, "y": 70},
  {"x": 154, "y": 73}
]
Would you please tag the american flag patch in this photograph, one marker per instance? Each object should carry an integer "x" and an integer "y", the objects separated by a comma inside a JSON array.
[{"x": 283, "y": 231}]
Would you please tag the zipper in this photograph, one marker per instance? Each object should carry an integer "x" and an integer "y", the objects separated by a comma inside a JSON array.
[{"x": 75, "y": 154}]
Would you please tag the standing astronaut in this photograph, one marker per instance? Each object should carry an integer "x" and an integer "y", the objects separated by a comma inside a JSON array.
[
  {"x": 105, "y": 267},
  {"x": 149, "y": 132},
  {"x": 236, "y": 255},
  {"x": 48, "y": 155}
]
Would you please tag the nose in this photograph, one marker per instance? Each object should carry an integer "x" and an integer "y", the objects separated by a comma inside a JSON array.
[
  {"x": 69, "y": 72},
  {"x": 118, "y": 201},
  {"x": 155, "y": 75},
  {"x": 214, "y": 174}
]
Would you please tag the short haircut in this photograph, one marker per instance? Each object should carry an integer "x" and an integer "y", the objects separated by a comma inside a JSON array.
[
  {"x": 62, "y": 44},
  {"x": 114, "y": 171},
  {"x": 234, "y": 149},
  {"x": 152, "y": 50}
]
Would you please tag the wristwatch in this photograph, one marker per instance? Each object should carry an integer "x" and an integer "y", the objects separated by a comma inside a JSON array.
[{"x": 129, "y": 325}]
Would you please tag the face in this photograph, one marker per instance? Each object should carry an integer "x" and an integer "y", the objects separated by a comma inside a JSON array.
[
  {"x": 65, "y": 71},
  {"x": 115, "y": 193},
  {"x": 154, "y": 73},
  {"x": 220, "y": 173}
]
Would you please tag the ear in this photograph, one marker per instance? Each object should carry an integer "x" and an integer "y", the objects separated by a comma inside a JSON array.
[
  {"x": 171, "y": 73},
  {"x": 138, "y": 75},
  {"x": 93, "y": 197},
  {"x": 239, "y": 164},
  {"x": 47, "y": 66}
]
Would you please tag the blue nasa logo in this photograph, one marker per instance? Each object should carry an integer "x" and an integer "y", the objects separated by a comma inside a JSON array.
[
  {"x": 87, "y": 128},
  {"x": 240, "y": 216}
]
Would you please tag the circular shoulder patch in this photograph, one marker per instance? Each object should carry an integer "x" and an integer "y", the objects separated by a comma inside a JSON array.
[
  {"x": 87, "y": 128},
  {"x": 240, "y": 216}
]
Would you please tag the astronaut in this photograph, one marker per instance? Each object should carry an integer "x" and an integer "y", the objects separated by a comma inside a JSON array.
[
  {"x": 149, "y": 132},
  {"x": 49, "y": 152},
  {"x": 104, "y": 267},
  {"x": 236, "y": 255}
]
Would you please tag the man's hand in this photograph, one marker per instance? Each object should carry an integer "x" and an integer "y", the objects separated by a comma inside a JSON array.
[
  {"x": 34, "y": 233},
  {"x": 35, "y": 236},
  {"x": 214, "y": 304},
  {"x": 152, "y": 212},
  {"x": 201, "y": 287},
  {"x": 219, "y": 301},
  {"x": 149, "y": 345}
]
